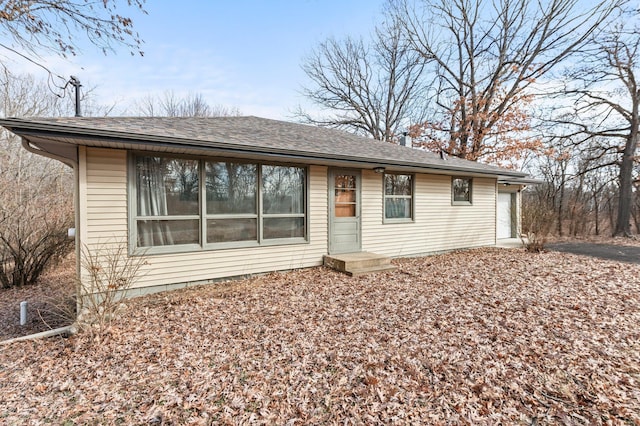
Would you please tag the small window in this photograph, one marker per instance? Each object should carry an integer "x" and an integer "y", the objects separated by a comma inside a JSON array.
[
  {"x": 398, "y": 197},
  {"x": 461, "y": 190}
]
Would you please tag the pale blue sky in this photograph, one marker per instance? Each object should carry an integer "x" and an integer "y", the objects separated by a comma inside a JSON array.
[{"x": 240, "y": 53}]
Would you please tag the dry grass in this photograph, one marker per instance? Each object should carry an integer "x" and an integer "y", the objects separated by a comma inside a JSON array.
[{"x": 483, "y": 336}]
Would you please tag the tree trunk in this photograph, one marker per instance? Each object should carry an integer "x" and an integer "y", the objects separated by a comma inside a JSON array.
[
  {"x": 561, "y": 203},
  {"x": 623, "y": 224}
]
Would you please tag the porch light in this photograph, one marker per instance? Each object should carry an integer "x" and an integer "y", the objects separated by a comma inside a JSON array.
[{"x": 378, "y": 170}]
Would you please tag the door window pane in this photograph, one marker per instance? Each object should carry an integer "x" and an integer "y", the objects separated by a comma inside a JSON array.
[
  {"x": 345, "y": 196},
  {"x": 345, "y": 181},
  {"x": 345, "y": 210},
  {"x": 282, "y": 190},
  {"x": 231, "y": 188}
]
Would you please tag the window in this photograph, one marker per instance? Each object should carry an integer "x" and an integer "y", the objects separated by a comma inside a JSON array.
[
  {"x": 461, "y": 190},
  {"x": 345, "y": 188},
  {"x": 232, "y": 201},
  {"x": 167, "y": 201},
  {"x": 398, "y": 196},
  {"x": 283, "y": 202},
  {"x": 198, "y": 204}
]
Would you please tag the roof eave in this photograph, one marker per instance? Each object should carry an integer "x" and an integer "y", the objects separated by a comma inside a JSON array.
[{"x": 57, "y": 131}]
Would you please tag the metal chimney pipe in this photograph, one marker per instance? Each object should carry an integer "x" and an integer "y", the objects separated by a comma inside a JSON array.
[
  {"x": 76, "y": 83},
  {"x": 405, "y": 139}
]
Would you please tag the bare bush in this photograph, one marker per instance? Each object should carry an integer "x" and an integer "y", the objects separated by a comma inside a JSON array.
[
  {"x": 537, "y": 223},
  {"x": 36, "y": 209},
  {"x": 108, "y": 272},
  {"x": 36, "y": 193}
]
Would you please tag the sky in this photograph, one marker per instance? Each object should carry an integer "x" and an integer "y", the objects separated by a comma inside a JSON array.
[{"x": 243, "y": 54}]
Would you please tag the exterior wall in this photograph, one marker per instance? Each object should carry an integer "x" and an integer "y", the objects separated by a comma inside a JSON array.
[
  {"x": 437, "y": 226},
  {"x": 104, "y": 221}
]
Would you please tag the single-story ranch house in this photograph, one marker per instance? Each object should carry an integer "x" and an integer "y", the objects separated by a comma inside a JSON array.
[{"x": 209, "y": 198}]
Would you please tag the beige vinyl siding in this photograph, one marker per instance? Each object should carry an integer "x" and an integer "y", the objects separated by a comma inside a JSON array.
[
  {"x": 105, "y": 218},
  {"x": 437, "y": 226},
  {"x": 106, "y": 198}
]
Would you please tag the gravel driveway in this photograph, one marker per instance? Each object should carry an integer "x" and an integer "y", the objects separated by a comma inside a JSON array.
[{"x": 603, "y": 251}]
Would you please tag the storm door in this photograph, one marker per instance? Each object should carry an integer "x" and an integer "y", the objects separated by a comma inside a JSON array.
[{"x": 344, "y": 211}]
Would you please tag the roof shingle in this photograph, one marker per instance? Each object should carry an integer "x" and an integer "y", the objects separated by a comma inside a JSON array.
[{"x": 250, "y": 134}]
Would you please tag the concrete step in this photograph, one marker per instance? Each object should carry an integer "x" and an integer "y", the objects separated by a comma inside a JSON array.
[
  {"x": 370, "y": 270},
  {"x": 358, "y": 263}
]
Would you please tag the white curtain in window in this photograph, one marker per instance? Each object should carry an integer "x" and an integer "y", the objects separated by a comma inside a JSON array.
[{"x": 152, "y": 201}]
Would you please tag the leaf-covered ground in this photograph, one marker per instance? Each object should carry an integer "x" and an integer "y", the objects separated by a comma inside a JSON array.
[
  {"x": 484, "y": 336},
  {"x": 50, "y": 302}
]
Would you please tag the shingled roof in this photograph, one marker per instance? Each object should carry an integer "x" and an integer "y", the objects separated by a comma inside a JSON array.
[{"x": 243, "y": 136}]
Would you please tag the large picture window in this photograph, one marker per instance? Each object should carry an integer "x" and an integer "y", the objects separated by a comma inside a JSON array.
[
  {"x": 195, "y": 204},
  {"x": 398, "y": 196},
  {"x": 461, "y": 190}
]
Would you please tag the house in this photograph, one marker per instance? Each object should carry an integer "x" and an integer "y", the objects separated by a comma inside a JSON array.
[{"x": 208, "y": 198}]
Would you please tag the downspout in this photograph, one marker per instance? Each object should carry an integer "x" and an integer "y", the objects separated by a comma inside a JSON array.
[{"x": 76, "y": 203}]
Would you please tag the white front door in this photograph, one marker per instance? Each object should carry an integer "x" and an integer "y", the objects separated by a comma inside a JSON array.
[
  {"x": 344, "y": 211},
  {"x": 504, "y": 222}
]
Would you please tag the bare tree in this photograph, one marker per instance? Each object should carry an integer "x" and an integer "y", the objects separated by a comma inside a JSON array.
[
  {"x": 483, "y": 56},
  {"x": 373, "y": 90},
  {"x": 171, "y": 105},
  {"x": 605, "y": 117},
  {"x": 36, "y": 202},
  {"x": 32, "y": 27}
]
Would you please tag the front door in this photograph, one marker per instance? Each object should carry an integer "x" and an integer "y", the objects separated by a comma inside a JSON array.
[{"x": 344, "y": 211}]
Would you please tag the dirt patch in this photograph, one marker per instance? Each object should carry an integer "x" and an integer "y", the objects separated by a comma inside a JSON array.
[
  {"x": 485, "y": 336},
  {"x": 50, "y": 302}
]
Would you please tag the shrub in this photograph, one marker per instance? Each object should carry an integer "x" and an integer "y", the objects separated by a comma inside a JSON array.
[
  {"x": 35, "y": 214},
  {"x": 108, "y": 272},
  {"x": 537, "y": 222}
]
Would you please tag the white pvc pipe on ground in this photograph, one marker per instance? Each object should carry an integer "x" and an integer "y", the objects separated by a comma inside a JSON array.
[{"x": 23, "y": 313}]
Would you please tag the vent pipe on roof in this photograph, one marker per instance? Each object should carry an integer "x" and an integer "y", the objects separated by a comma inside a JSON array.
[
  {"x": 76, "y": 83},
  {"x": 405, "y": 139}
]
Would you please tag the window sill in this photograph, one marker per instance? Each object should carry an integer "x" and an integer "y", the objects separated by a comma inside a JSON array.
[
  {"x": 396, "y": 221},
  {"x": 461, "y": 203},
  {"x": 192, "y": 248}
]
